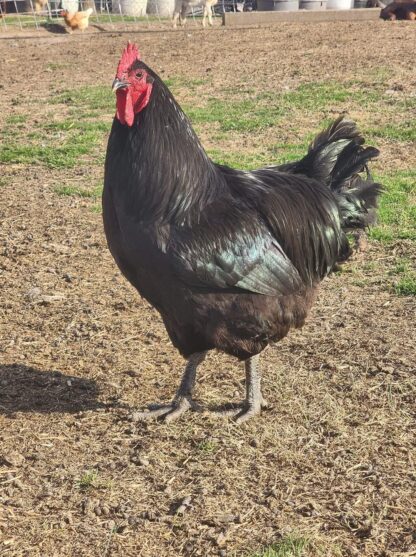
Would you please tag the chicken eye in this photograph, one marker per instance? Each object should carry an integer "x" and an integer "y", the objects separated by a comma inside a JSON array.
[{"x": 139, "y": 74}]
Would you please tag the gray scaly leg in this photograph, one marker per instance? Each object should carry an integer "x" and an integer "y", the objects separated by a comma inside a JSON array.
[
  {"x": 183, "y": 398},
  {"x": 254, "y": 399}
]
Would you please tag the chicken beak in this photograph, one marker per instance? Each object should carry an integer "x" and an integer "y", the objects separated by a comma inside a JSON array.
[{"x": 118, "y": 84}]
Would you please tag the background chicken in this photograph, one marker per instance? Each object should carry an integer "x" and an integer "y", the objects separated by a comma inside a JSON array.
[
  {"x": 231, "y": 259},
  {"x": 77, "y": 20},
  {"x": 399, "y": 9}
]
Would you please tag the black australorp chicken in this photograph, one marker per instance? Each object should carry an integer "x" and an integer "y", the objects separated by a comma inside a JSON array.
[{"x": 231, "y": 259}]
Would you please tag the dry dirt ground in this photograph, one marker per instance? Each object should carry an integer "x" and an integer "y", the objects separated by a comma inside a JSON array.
[{"x": 332, "y": 460}]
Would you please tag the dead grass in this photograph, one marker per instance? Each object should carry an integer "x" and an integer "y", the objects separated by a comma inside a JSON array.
[{"x": 329, "y": 469}]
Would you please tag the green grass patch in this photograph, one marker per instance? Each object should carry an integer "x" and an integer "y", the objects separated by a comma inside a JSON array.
[
  {"x": 96, "y": 209},
  {"x": 404, "y": 273},
  {"x": 406, "y": 286},
  {"x": 23, "y": 20},
  {"x": 45, "y": 21},
  {"x": 208, "y": 446},
  {"x": 66, "y": 155},
  {"x": 56, "y": 144},
  {"x": 84, "y": 126},
  {"x": 92, "y": 97},
  {"x": 16, "y": 119},
  {"x": 289, "y": 152},
  {"x": 76, "y": 191},
  {"x": 243, "y": 161},
  {"x": 397, "y": 211},
  {"x": 52, "y": 66},
  {"x": 403, "y": 265},
  {"x": 63, "y": 157},
  {"x": 289, "y": 546},
  {"x": 245, "y": 112},
  {"x": 242, "y": 116},
  {"x": 402, "y": 131},
  {"x": 380, "y": 74},
  {"x": 88, "y": 480},
  {"x": 178, "y": 82}
]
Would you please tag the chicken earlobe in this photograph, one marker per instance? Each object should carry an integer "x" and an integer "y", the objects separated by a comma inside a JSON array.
[{"x": 183, "y": 398}]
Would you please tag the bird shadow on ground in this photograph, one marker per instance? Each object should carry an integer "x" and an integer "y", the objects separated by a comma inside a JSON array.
[
  {"x": 54, "y": 28},
  {"x": 26, "y": 389},
  {"x": 60, "y": 29},
  {"x": 97, "y": 27}
]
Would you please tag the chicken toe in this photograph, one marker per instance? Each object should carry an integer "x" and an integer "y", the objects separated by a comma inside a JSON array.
[
  {"x": 183, "y": 399},
  {"x": 167, "y": 412}
]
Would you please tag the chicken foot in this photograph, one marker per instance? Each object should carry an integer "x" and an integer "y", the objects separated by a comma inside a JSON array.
[
  {"x": 254, "y": 399},
  {"x": 183, "y": 398}
]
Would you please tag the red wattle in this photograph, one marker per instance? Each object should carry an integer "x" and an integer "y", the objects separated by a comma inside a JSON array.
[{"x": 129, "y": 104}]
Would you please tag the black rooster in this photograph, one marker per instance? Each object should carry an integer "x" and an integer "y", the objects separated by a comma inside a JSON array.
[{"x": 231, "y": 259}]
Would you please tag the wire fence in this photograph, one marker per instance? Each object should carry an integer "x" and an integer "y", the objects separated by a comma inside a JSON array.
[{"x": 46, "y": 14}]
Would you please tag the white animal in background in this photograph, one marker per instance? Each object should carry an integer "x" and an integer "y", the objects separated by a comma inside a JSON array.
[
  {"x": 40, "y": 4},
  {"x": 181, "y": 7}
]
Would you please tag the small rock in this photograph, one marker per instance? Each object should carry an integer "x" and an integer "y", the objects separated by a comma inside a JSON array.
[
  {"x": 131, "y": 373},
  {"x": 254, "y": 443},
  {"x": 87, "y": 505},
  {"x": 33, "y": 293},
  {"x": 226, "y": 518},
  {"x": 364, "y": 532},
  {"x": 68, "y": 518},
  {"x": 186, "y": 502},
  {"x": 35, "y": 296},
  {"x": 45, "y": 493},
  {"x": 149, "y": 515},
  {"x": 12, "y": 459},
  {"x": 140, "y": 460},
  {"x": 221, "y": 538},
  {"x": 17, "y": 483}
]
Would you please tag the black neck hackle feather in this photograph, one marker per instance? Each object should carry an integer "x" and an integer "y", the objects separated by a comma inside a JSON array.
[{"x": 165, "y": 172}]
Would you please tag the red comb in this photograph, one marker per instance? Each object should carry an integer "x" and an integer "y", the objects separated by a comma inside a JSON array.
[{"x": 130, "y": 55}]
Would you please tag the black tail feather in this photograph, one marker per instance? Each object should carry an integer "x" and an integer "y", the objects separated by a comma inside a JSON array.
[
  {"x": 351, "y": 161},
  {"x": 358, "y": 203},
  {"x": 336, "y": 157}
]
